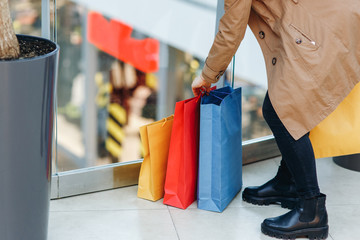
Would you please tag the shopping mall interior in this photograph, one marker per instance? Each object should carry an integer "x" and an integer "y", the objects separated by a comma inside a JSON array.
[{"x": 125, "y": 64}]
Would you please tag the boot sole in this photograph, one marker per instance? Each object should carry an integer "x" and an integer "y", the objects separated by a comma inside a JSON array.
[
  {"x": 311, "y": 233},
  {"x": 289, "y": 203}
]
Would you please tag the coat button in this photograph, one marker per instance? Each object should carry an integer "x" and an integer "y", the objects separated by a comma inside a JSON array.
[
  {"x": 274, "y": 61},
  {"x": 298, "y": 41},
  {"x": 219, "y": 75},
  {"x": 261, "y": 35}
]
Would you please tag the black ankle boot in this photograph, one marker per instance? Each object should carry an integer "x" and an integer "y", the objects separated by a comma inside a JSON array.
[
  {"x": 272, "y": 192},
  {"x": 308, "y": 219}
]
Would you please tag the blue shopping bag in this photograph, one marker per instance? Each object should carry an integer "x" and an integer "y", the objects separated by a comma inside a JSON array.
[{"x": 220, "y": 149}]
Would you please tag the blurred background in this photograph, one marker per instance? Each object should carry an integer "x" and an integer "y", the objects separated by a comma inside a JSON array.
[{"x": 124, "y": 64}]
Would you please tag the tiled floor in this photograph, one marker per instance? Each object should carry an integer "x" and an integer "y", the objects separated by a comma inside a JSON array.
[{"x": 120, "y": 215}]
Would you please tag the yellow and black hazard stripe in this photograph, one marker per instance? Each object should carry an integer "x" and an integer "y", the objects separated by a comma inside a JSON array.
[{"x": 114, "y": 124}]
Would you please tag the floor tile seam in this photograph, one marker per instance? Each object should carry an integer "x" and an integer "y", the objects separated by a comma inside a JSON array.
[
  {"x": 331, "y": 236},
  {"x": 172, "y": 220}
]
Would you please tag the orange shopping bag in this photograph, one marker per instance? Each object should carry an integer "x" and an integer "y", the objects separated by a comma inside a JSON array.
[
  {"x": 339, "y": 133},
  {"x": 155, "y": 138}
]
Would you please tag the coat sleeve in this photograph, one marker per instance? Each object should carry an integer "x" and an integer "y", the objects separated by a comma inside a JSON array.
[{"x": 232, "y": 29}]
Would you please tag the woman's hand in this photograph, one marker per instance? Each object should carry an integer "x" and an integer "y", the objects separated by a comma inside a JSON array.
[{"x": 199, "y": 85}]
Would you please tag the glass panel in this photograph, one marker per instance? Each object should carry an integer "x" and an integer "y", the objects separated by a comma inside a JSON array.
[
  {"x": 122, "y": 66},
  {"x": 250, "y": 74},
  {"x": 26, "y": 15},
  {"x": 70, "y": 140}
]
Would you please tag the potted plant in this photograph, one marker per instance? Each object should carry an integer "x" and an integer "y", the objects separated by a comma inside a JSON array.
[{"x": 28, "y": 72}]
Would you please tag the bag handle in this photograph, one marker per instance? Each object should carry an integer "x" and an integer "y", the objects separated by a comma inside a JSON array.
[
  {"x": 203, "y": 92},
  {"x": 212, "y": 94},
  {"x": 165, "y": 120}
]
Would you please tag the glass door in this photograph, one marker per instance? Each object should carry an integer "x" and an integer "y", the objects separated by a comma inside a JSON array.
[{"x": 124, "y": 64}]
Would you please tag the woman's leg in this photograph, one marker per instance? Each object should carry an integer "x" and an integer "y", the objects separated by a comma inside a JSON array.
[
  {"x": 283, "y": 174},
  {"x": 297, "y": 155},
  {"x": 309, "y": 218}
]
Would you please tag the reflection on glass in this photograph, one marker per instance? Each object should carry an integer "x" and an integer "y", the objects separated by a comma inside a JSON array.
[
  {"x": 254, "y": 125},
  {"x": 126, "y": 86},
  {"x": 26, "y": 16}
]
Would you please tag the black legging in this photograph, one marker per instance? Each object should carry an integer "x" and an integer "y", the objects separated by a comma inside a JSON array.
[{"x": 298, "y": 155}]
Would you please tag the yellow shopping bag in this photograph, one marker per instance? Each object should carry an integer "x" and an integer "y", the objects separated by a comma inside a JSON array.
[
  {"x": 155, "y": 138},
  {"x": 339, "y": 133}
]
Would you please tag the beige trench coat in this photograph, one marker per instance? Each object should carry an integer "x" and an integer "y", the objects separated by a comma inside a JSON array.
[{"x": 311, "y": 50}]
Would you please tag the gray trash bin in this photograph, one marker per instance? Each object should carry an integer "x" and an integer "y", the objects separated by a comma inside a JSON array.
[{"x": 27, "y": 90}]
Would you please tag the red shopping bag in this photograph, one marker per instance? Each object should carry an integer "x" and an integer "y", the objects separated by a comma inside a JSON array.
[{"x": 181, "y": 174}]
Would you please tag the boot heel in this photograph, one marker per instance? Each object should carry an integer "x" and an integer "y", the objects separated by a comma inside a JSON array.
[{"x": 319, "y": 233}]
